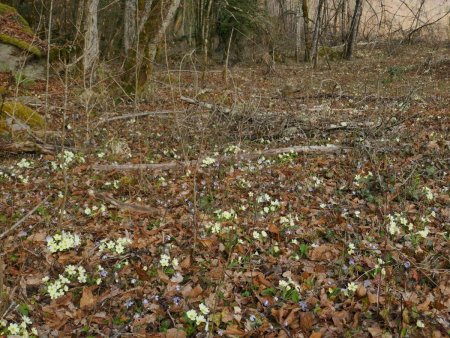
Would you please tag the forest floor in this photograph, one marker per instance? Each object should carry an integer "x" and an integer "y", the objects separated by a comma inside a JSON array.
[{"x": 348, "y": 243}]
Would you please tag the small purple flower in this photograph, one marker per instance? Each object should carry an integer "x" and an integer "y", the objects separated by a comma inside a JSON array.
[
  {"x": 407, "y": 265},
  {"x": 145, "y": 302},
  {"x": 303, "y": 305},
  {"x": 266, "y": 303},
  {"x": 351, "y": 261},
  {"x": 367, "y": 283},
  {"x": 103, "y": 273},
  {"x": 176, "y": 300}
]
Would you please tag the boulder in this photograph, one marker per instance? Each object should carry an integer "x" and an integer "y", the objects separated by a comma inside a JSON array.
[
  {"x": 14, "y": 116},
  {"x": 20, "y": 49}
]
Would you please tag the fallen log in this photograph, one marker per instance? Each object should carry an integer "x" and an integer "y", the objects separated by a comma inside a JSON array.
[
  {"x": 27, "y": 147},
  {"x": 222, "y": 159}
]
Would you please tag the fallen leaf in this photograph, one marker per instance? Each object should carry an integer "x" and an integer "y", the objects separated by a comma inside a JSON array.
[
  {"x": 88, "y": 300},
  {"x": 306, "y": 321},
  {"x": 316, "y": 334},
  {"x": 375, "y": 331},
  {"x": 234, "y": 330},
  {"x": 361, "y": 291},
  {"x": 175, "y": 333},
  {"x": 324, "y": 253}
]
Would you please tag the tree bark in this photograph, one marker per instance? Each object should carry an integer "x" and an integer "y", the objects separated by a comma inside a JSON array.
[
  {"x": 353, "y": 33},
  {"x": 130, "y": 29},
  {"x": 298, "y": 32},
  {"x": 153, "y": 45},
  {"x": 91, "y": 41},
  {"x": 306, "y": 29},
  {"x": 151, "y": 27},
  {"x": 316, "y": 34}
]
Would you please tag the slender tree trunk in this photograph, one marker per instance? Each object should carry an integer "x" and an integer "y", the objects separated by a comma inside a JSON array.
[
  {"x": 153, "y": 45},
  {"x": 344, "y": 19},
  {"x": 298, "y": 32},
  {"x": 153, "y": 20},
  {"x": 130, "y": 29},
  {"x": 353, "y": 33},
  {"x": 306, "y": 29},
  {"x": 317, "y": 27},
  {"x": 91, "y": 41}
]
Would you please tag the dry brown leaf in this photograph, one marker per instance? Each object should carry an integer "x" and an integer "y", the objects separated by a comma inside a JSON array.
[
  {"x": 324, "y": 252},
  {"x": 361, "y": 291},
  {"x": 273, "y": 229},
  {"x": 175, "y": 333},
  {"x": 88, "y": 300},
  {"x": 290, "y": 318},
  {"x": 195, "y": 292},
  {"x": 375, "y": 331},
  {"x": 316, "y": 334},
  {"x": 147, "y": 319},
  {"x": 306, "y": 321},
  {"x": 207, "y": 242},
  {"x": 372, "y": 298},
  {"x": 227, "y": 316},
  {"x": 186, "y": 263},
  {"x": 234, "y": 330}
]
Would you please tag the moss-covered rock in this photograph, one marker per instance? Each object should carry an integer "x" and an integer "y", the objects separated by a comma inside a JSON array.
[
  {"x": 20, "y": 44},
  {"x": 15, "y": 31},
  {"x": 330, "y": 53},
  {"x": 23, "y": 113},
  {"x": 5, "y": 10}
]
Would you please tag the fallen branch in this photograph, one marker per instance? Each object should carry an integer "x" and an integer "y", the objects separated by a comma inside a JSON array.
[
  {"x": 126, "y": 206},
  {"x": 206, "y": 105},
  {"x": 27, "y": 147},
  {"x": 241, "y": 157},
  {"x": 143, "y": 114},
  {"x": 19, "y": 222}
]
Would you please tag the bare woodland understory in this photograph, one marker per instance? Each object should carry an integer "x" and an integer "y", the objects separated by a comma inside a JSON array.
[{"x": 296, "y": 187}]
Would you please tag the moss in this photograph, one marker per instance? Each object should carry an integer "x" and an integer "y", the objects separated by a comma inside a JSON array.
[
  {"x": 5, "y": 9},
  {"x": 23, "y": 113},
  {"x": 3, "y": 127},
  {"x": 331, "y": 53},
  {"x": 20, "y": 44}
]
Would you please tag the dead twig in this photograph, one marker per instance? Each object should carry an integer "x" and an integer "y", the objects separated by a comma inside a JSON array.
[
  {"x": 24, "y": 218},
  {"x": 142, "y": 114},
  {"x": 126, "y": 206}
]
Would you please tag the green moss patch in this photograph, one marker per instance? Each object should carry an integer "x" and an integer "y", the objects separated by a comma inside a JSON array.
[
  {"x": 6, "y": 10},
  {"x": 24, "y": 114},
  {"x": 15, "y": 31},
  {"x": 20, "y": 44},
  {"x": 3, "y": 127}
]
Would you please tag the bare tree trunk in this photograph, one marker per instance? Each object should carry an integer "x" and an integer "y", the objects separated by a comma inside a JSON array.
[
  {"x": 298, "y": 32},
  {"x": 306, "y": 29},
  {"x": 344, "y": 19},
  {"x": 162, "y": 30},
  {"x": 91, "y": 41},
  {"x": 130, "y": 29},
  {"x": 135, "y": 18},
  {"x": 353, "y": 33},
  {"x": 317, "y": 27}
]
